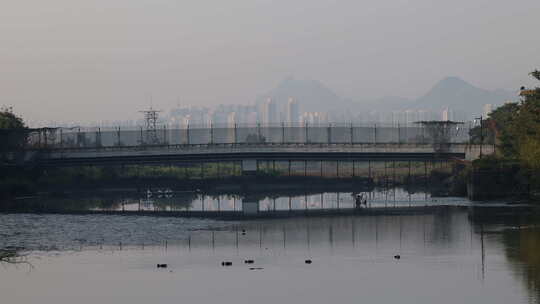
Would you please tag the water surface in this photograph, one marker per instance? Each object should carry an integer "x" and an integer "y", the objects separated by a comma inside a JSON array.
[{"x": 455, "y": 255}]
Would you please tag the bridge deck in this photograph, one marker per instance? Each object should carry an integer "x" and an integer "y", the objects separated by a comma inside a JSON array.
[
  {"x": 212, "y": 153},
  {"x": 168, "y": 154}
]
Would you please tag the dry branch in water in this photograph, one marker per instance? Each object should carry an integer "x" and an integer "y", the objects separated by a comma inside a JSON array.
[
  {"x": 11, "y": 256},
  {"x": 7, "y": 255}
]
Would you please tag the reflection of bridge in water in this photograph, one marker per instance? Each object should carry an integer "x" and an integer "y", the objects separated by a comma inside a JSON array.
[
  {"x": 247, "y": 145},
  {"x": 247, "y": 205},
  {"x": 387, "y": 201}
]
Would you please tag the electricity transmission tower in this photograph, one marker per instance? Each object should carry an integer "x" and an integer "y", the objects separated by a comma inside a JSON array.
[{"x": 151, "y": 118}]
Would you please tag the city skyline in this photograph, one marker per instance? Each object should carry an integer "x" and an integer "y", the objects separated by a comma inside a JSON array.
[{"x": 290, "y": 108}]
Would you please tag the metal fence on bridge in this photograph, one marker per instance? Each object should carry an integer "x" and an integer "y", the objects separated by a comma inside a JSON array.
[{"x": 335, "y": 133}]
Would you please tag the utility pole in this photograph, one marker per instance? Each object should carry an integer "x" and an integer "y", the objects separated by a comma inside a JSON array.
[{"x": 481, "y": 133}]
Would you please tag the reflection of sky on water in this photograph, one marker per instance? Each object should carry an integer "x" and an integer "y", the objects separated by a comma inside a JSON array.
[
  {"x": 397, "y": 197},
  {"x": 446, "y": 257}
]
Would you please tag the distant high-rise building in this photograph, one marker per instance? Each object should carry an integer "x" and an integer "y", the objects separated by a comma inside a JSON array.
[
  {"x": 219, "y": 118},
  {"x": 411, "y": 116},
  {"x": 314, "y": 118},
  {"x": 251, "y": 118},
  {"x": 231, "y": 119},
  {"x": 488, "y": 108},
  {"x": 446, "y": 115},
  {"x": 293, "y": 111},
  {"x": 270, "y": 112}
]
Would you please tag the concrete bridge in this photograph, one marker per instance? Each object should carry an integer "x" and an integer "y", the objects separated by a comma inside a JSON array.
[
  {"x": 61, "y": 147},
  {"x": 247, "y": 152}
]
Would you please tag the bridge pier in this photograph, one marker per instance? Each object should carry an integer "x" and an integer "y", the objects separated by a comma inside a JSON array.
[
  {"x": 289, "y": 167},
  {"x": 249, "y": 166}
]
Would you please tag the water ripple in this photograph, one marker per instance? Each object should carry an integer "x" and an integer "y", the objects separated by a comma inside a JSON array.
[{"x": 64, "y": 232}]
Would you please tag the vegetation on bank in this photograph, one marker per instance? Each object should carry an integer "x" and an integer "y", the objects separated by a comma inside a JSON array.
[
  {"x": 20, "y": 183},
  {"x": 9, "y": 120},
  {"x": 514, "y": 129},
  {"x": 12, "y": 132}
]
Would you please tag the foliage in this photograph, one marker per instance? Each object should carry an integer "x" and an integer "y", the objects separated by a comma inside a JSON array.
[
  {"x": 496, "y": 129},
  {"x": 8, "y": 120},
  {"x": 525, "y": 128},
  {"x": 12, "y": 132},
  {"x": 515, "y": 128}
]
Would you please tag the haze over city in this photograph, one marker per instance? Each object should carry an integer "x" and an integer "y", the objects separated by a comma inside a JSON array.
[{"x": 105, "y": 60}]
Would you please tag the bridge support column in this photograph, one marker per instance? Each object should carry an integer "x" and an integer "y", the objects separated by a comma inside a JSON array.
[
  {"x": 425, "y": 178},
  {"x": 250, "y": 206},
  {"x": 290, "y": 203},
  {"x": 385, "y": 176},
  {"x": 409, "y": 175},
  {"x": 289, "y": 167},
  {"x": 249, "y": 166},
  {"x": 394, "y": 174}
]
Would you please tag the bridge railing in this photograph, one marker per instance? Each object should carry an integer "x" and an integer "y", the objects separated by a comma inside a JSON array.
[{"x": 340, "y": 133}]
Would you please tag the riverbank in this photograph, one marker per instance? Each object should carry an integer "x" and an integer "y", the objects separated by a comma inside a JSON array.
[
  {"x": 496, "y": 178},
  {"x": 481, "y": 180},
  {"x": 19, "y": 183}
]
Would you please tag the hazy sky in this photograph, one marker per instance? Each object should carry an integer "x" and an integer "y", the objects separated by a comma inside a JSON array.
[{"x": 103, "y": 59}]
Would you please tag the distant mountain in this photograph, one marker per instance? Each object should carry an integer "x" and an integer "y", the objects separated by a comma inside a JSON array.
[
  {"x": 459, "y": 95},
  {"x": 452, "y": 92}
]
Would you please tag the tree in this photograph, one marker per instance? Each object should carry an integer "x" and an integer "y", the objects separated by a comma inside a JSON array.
[
  {"x": 13, "y": 132},
  {"x": 497, "y": 129},
  {"x": 515, "y": 127},
  {"x": 525, "y": 128},
  {"x": 8, "y": 120}
]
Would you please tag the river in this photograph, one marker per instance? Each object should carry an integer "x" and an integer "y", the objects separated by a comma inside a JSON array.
[{"x": 452, "y": 251}]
